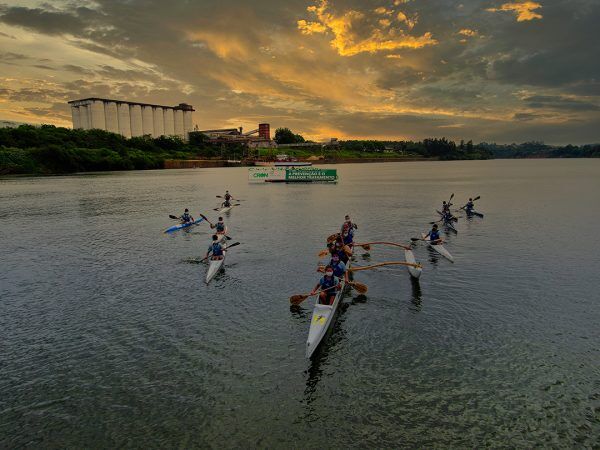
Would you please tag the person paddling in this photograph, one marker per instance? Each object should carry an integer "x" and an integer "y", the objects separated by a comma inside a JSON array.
[
  {"x": 469, "y": 206},
  {"x": 220, "y": 227},
  {"x": 434, "y": 235},
  {"x": 329, "y": 285},
  {"x": 186, "y": 217},
  {"x": 215, "y": 248},
  {"x": 340, "y": 248},
  {"x": 339, "y": 268},
  {"x": 347, "y": 230},
  {"x": 228, "y": 198}
]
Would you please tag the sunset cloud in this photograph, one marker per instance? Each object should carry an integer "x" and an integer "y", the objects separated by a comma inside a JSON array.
[
  {"x": 356, "y": 32},
  {"x": 524, "y": 10}
]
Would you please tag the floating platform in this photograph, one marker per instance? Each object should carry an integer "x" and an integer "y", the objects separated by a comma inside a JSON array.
[{"x": 292, "y": 175}]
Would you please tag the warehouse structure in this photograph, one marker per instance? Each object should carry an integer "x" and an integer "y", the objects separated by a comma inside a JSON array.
[
  {"x": 259, "y": 137},
  {"x": 132, "y": 119}
]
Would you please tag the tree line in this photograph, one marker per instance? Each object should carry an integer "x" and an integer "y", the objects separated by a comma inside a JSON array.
[{"x": 50, "y": 149}]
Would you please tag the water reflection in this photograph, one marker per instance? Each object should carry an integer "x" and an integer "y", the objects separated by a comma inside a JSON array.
[{"x": 416, "y": 293}]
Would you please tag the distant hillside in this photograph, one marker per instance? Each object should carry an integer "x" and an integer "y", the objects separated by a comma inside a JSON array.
[{"x": 541, "y": 150}]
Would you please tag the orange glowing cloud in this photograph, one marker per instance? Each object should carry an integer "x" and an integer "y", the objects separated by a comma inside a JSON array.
[
  {"x": 524, "y": 10},
  {"x": 375, "y": 36}
]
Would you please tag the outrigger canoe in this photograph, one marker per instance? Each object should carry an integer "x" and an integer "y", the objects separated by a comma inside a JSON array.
[
  {"x": 323, "y": 317},
  {"x": 183, "y": 225},
  {"x": 215, "y": 265},
  {"x": 409, "y": 256},
  {"x": 438, "y": 248}
]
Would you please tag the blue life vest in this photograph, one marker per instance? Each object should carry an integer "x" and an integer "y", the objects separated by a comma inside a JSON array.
[
  {"x": 220, "y": 227},
  {"x": 216, "y": 249},
  {"x": 434, "y": 235},
  {"x": 327, "y": 283},
  {"x": 338, "y": 269}
]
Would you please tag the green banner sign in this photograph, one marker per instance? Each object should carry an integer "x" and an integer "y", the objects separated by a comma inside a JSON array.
[{"x": 306, "y": 174}]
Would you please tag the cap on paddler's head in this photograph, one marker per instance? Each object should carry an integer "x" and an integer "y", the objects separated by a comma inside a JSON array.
[
  {"x": 435, "y": 225},
  {"x": 347, "y": 217},
  {"x": 186, "y": 210},
  {"x": 215, "y": 237},
  {"x": 220, "y": 219}
]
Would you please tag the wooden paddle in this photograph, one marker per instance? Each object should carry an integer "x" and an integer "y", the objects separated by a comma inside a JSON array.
[
  {"x": 361, "y": 288},
  {"x": 367, "y": 245},
  {"x": 333, "y": 237},
  {"x": 299, "y": 298},
  {"x": 391, "y": 263}
]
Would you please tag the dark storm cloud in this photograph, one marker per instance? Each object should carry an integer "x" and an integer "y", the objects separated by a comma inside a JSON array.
[
  {"x": 559, "y": 102},
  {"x": 42, "y": 20}
]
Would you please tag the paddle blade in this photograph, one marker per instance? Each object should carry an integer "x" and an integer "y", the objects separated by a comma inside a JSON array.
[
  {"x": 233, "y": 245},
  {"x": 361, "y": 288},
  {"x": 323, "y": 253},
  {"x": 477, "y": 198},
  {"x": 218, "y": 196},
  {"x": 297, "y": 299},
  {"x": 332, "y": 238},
  {"x": 171, "y": 216},
  {"x": 366, "y": 247}
]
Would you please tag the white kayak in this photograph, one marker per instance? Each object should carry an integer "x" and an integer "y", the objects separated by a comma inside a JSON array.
[
  {"x": 322, "y": 318},
  {"x": 438, "y": 248},
  {"x": 452, "y": 224},
  {"x": 409, "y": 256},
  {"x": 214, "y": 265},
  {"x": 224, "y": 209}
]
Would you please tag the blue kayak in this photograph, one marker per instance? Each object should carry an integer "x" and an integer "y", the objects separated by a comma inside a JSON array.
[{"x": 183, "y": 225}]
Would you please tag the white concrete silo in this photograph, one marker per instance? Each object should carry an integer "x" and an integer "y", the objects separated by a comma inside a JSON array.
[
  {"x": 179, "y": 123},
  {"x": 97, "y": 115},
  {"x": 110, "y": 117},
  {"x": 147, "y": 120},
  {"x": 84, "y": 116},
  {"x": 124, "y": 119},
  {"x": 75, "y": 116},
  {"x": 136, "y": 120},
  {"x": 187, "y": 124},
  {"x": 169, "y": 121},
  {"x": 159, "y": 121}
]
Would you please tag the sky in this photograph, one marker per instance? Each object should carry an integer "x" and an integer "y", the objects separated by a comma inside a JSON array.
[{"x": 485, "y": 70}]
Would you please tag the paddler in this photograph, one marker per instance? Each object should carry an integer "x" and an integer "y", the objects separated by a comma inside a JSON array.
[
  {"x": 329, "y": 285},
  {"x": 469, "y": 206},
  {"x": 186, "y": 217},
  {"x": 446, "y": 214},
  {"x": 434, "y": 235},
  {"x": 228, "y": 198},
  {"x": 347, "y": 230},
  {"x": 215, "y": 248},
  {"x": 221, "y": 229},
  {"x": 338, "y": 266},
  {"x": 340, "y": 248}
]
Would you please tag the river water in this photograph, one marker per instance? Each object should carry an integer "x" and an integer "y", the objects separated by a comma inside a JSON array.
[{"x": 110, "y": 338}]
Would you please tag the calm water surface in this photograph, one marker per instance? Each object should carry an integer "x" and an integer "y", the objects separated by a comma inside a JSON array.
[{"x": 110, "y": 338}]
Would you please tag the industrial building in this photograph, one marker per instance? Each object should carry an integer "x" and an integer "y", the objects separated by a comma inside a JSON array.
[
  {"x": 132, "y": 119},
  {"x": 260, "y": 137}
]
